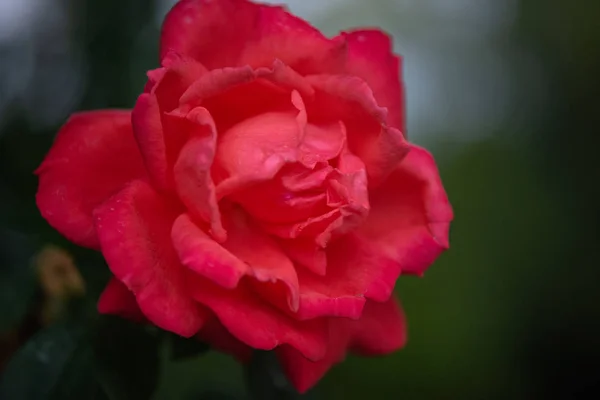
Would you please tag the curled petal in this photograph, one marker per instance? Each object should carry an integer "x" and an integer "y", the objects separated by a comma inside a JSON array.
[
  {"x": 200, "y": 253},
  {"x": 410, "y": 217},
  {"x": 149, "y": 133},
  {"x": 380, "y": 330},
  {"x": 256, "y": 149},
  {"x": 293, "y": 195},
  {"x": 258, "y": 324},
  {"x": 246, "y": 252},
  {"x": 134, "y": 228},
  {"x": 370, "y": 57},
  {"x": 170, "y": 81},
  {"x": 213, "y": 83},
  {"x": 192, "y": 171},
  {"x": 351, "y": 100},
  {"x": 98, "y": 144},
  {"x": 214, "y": 333}
]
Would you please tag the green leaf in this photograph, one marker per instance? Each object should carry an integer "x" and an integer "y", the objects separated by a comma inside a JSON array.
[
  {"x": 265, "y": 379},
  {"x": 183, "y": 348},
  {"x": 78, "y": 378},
  {"x": 36, "y": 368},
  {"x": 127, "y": 359},
  {"x": 17, "y": 277}
]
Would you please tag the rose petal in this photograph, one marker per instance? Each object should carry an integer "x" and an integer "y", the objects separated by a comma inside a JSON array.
[
  {"x": 214, "y": 333},
  {"x": 257, "y": 148},
  {"x": 213, "y": 83},
  {"x": 247, "y": 251},
  {"x": 340, "y": 293},
  {"x": 273, "y": 201},
  {"x": 306, "y": 253},
  {"x": 116, "y": 299},
  {"x": 243, "y": 96},
  {"x": 351, "y": 100},
  {"x": 370, "y": 57},
  {"x": 238, "y": 32},
  {"x": 410, "y": 218},
  {"x": 178, "y": 76},
  {"x": 134, "y": 228},
  {"x": 148, "y": 128},
  {"x": 93, "y": 156},
  {"x": 158, "y": 140},
  {"x": 380, "y": 330},
  {"x": 257, "y": 323},
  {"x": 212, "y": 32},
  {"x": 204, "y": 256},
  {"x": 304, "y": 373},
  {"x": 192, "y": 171}
]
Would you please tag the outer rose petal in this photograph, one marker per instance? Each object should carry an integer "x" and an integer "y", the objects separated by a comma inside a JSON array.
[
  {"x": 257, "y": 323},
  {"x": 370, "y": 57},
  {"x": 192, "y": 171},
  {"x": 380, "y": 330},
  {"x": 303, "y": 373},
  {"x": 237, "y": 32},
  {"x": 214, "y": 333},
  {"x": 94, "y": 155},
  {"x": 134, "y": 228},
  {"x": 116, "y": 299},
  {"x": 410, "y": 218}
]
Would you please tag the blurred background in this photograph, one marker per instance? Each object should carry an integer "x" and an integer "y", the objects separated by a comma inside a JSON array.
[{"x": 505, "y": 93}]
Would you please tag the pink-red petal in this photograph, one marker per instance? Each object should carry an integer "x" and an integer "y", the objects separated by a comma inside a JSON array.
[
  {"x": 149, "y": 133},
  {"x": 134, "y": 229},
  {"x": 192, "y": 171},
  {"x": 238, "y": 32},
  {"x": 93, "y": 156},
  {"x": 370, "y": 57},
  {"x": 304, "y": 373},
  {"x": 410, "y": 216},
  {"x": 257, "y": 323},
  {"x": 246, "y": 252},
  {"x": 201, "y": 254},
  {"x": 116, "y": 299},
  {"x": 214, "y": 333},
  {"x": 351, "y": 100},
  {"x": 256, "y": 149},
  {"x": 380, "y": 330}
]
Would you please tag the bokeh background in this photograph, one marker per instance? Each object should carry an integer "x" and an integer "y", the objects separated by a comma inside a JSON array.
[{"x": 505, "y": 93}]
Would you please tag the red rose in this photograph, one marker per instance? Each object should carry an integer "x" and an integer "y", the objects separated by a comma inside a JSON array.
[{"x": 260, "y": 194}]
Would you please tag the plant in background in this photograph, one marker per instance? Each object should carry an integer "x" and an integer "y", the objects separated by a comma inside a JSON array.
[{"x": 261, "y": 194}]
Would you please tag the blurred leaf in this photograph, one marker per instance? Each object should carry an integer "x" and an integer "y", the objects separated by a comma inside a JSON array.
[
  {"x": 36, "y": 368},
  {"x": 127, "y": 359},
  {"x": 17, "y": 277},
  {"x": 78, "y": 380},
  {"x": 265, "y": 379},
  {"x": 183, "y": 348}
]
